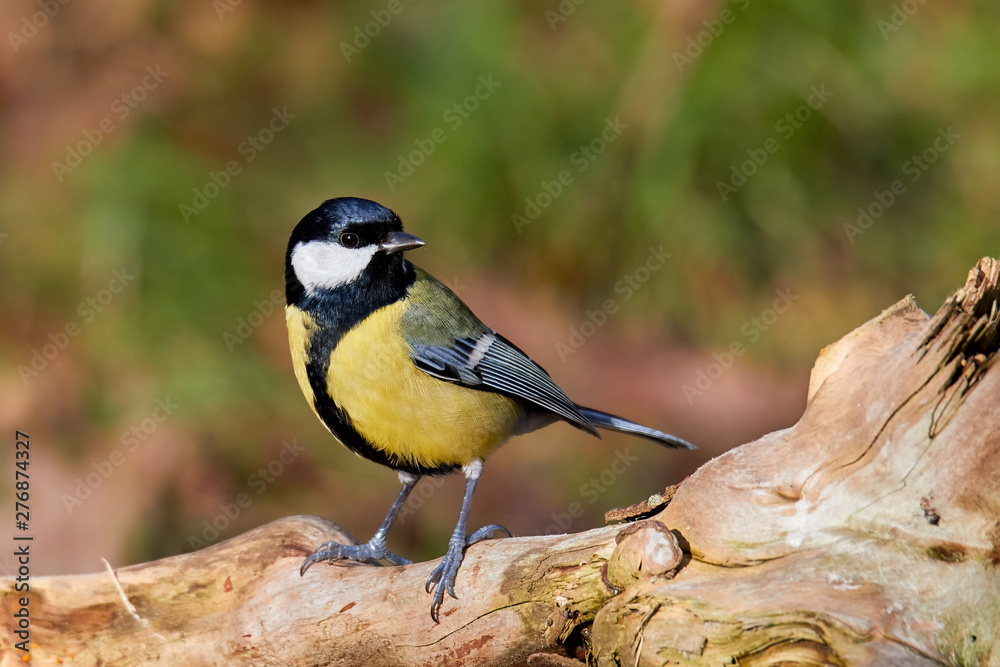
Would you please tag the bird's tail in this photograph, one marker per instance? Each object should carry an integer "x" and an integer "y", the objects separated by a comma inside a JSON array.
[{"x": 614, "y": 423}]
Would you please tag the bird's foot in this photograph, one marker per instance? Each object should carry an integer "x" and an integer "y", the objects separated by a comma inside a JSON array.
[
  {"x": 442, "y": 579},
  {"x": 372, "y": 552}
]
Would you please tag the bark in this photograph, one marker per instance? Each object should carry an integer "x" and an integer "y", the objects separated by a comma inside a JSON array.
[{"x": 868, "y": 533}]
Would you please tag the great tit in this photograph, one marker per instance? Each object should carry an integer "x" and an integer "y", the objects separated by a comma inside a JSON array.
[{"x": 402, "y": 372}]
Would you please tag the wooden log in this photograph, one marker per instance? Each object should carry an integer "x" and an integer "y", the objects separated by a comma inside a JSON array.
[{"x": 868, "y": 533}]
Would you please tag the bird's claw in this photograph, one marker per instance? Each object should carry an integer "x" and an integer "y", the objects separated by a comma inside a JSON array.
[
  {"x": 442, "y": 579},
  {"x": 486, "y": 533},
  {"x": 370, "y": 552}
]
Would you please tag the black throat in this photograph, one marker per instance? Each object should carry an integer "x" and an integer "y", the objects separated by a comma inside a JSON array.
[{"x": 336, "y": 311}]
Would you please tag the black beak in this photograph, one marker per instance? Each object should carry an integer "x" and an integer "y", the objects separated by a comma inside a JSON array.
[{"x": 400, "y": 242}]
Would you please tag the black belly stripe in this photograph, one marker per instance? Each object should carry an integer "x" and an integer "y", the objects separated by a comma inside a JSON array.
[
  {"x": 336, "y": 312},
  {"x": 340, "y": 425}
]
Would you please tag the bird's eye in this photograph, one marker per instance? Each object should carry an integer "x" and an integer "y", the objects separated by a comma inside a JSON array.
[{"x": 349, "y": 240}]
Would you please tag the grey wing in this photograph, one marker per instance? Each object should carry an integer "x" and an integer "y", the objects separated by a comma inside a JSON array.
[{"x": 492, "y": 362}]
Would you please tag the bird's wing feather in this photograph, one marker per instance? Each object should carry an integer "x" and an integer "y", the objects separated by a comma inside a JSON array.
[
  {"x": 451, "y": 344},
  {"x": 494, "y": 363}
]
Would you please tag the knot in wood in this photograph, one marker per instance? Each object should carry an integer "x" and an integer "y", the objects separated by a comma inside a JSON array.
[{"x": 645, "y": 550}]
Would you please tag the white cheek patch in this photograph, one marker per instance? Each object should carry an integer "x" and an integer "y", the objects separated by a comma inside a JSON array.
[{"x": 324, "y": 264}]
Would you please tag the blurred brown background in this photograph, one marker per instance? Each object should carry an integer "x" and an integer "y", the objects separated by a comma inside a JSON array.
[{"x": 658, "y": 201}]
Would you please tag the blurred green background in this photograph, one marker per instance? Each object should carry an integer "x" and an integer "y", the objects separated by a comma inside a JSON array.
[{"x": 544, "y": 151}]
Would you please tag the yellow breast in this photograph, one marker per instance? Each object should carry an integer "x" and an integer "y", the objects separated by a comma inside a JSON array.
[
  {"x": 301, "y": 328},
  {"x": 398, "y": 408}
]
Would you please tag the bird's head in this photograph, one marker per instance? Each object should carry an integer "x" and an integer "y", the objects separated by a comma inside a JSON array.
[{"x": 344, "y": 241}]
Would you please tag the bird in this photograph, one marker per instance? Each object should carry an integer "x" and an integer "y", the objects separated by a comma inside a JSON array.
[{"x": 401, "y": 371}]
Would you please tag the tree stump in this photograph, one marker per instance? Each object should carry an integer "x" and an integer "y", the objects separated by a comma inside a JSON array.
[{"x": 866, "y": 534}]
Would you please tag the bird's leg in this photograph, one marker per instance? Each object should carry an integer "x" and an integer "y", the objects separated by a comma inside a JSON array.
[
  {"x": 375, "y": 550},
  {"x": 443, "y": 577}
]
